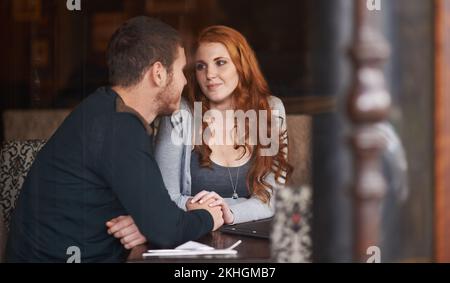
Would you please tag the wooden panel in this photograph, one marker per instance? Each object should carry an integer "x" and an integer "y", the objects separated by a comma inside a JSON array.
[
  {"x": 309, "y": 104},
  {"x": 442, "y": 131}
]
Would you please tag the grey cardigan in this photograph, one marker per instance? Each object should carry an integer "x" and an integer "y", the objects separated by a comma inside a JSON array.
[{"x": 174, "y": 161}]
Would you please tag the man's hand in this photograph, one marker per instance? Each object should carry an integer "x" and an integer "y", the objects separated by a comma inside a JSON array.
[
  {"x": 216, "y": 211},
  {"x": 123, "y": 228},
  {"x": 206, "y": 196}
]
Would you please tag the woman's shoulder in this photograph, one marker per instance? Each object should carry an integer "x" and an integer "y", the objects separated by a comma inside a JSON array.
[
  {"x": 178, "y": 119},
  {"x": 184, "y": 104},
  {"x": 182, "y": 113},
  {"x": 275, "y": 103}
]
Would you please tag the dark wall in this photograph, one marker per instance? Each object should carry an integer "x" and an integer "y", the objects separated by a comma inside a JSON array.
[{"x": 278, "y": 31}]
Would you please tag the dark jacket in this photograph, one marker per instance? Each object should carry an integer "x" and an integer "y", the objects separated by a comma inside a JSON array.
[{"x": 98, "y": 165}]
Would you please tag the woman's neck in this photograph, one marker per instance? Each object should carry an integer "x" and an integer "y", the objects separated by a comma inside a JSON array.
[{"x": 226, "y": 104}]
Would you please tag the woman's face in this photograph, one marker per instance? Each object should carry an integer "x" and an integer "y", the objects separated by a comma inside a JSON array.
[{"x": 216, "y": 74}]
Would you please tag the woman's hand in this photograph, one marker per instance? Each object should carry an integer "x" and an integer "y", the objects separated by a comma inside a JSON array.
[
  {"x": 215, "y": 200},
  {"x": 123, "y": 228}
]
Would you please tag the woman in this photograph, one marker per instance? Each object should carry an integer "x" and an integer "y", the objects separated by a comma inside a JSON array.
[{"x": 235, "y": 174}]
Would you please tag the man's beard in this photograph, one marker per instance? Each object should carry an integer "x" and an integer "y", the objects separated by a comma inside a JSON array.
[{"x": 166, "y": 98}]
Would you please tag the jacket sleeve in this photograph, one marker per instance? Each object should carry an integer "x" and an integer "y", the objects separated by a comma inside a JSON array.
[
  {"x": 253, "y": 208},
  {"x": 170, "y": 144},
  {"x": 135, "y": 178}
]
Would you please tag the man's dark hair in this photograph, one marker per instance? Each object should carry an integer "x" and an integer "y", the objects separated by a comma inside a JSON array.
[{"x": 136, "y": 45}]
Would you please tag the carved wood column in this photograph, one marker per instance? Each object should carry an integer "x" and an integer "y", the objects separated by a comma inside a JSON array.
[{"x": 368, "y": 104}]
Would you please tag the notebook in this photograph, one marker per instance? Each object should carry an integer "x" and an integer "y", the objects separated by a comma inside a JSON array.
[{"x": 259, "y": 228}]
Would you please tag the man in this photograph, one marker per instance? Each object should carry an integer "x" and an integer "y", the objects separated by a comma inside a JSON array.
[{"x": 99, "y": 164}]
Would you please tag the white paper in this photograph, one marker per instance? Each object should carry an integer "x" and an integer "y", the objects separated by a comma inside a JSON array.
[
  {"x": 192, "y": 248},
  {"x": 191, "y": 245},
  {"x": 190, "y": 253}
]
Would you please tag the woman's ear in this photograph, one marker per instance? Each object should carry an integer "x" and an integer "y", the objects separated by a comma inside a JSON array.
[{"x": 158, "y": 74}]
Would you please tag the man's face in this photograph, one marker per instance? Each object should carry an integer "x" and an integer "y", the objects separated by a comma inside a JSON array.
[{"x": 170, "y": 96}]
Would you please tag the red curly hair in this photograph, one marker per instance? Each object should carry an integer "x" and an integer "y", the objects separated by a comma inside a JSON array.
[{"x": 252, "y": 92}]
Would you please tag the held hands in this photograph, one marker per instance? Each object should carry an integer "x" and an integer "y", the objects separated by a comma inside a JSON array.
[
  {"x": 216, "y": 211},
  {"x": 212, "y": 199},
  {"x": 124, "y": 228}
]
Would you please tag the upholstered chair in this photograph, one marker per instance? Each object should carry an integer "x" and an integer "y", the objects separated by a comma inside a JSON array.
[{"x": 16, "y": 158}]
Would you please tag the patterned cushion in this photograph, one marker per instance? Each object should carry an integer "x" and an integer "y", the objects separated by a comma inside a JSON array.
[
  {"x": 15, "y": 161},
  {"x": 2, "y": 238},
  {"x": 291, "y": 231}
]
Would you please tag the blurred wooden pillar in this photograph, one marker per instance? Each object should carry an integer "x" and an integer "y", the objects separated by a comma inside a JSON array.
[
  {"x": 368, "y": 104},
  {"x": 442, "y": 131},
  {"x": 331, "y": 25}
]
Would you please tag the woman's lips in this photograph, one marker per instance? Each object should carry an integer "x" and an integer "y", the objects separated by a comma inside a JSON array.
[{"x": 213, "y": 86}]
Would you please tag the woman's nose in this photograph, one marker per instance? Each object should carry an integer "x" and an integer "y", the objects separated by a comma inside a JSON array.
[{"x": 211, "y": 72}]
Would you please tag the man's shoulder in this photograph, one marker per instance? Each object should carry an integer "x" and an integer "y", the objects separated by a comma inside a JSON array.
[
  {"x": 97, "y": 116},
  {"x": 128, "y": 122},
  {"x": 102, "y": 96},
  {"x": 97, "y": 103}
]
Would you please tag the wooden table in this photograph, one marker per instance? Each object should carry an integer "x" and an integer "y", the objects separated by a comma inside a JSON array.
[{"x": 250, "y": 250}]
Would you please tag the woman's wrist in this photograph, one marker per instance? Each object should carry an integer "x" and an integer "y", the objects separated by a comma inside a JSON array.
[{"x": 232, "y": 217}]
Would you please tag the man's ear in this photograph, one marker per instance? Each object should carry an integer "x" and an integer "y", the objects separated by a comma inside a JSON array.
[{"x": 158, "y": 74}]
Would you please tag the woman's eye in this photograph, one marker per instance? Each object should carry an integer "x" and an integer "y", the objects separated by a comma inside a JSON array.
[
  {"x": 221, "y": 62},
  {"x": 199, "y": 67}
]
